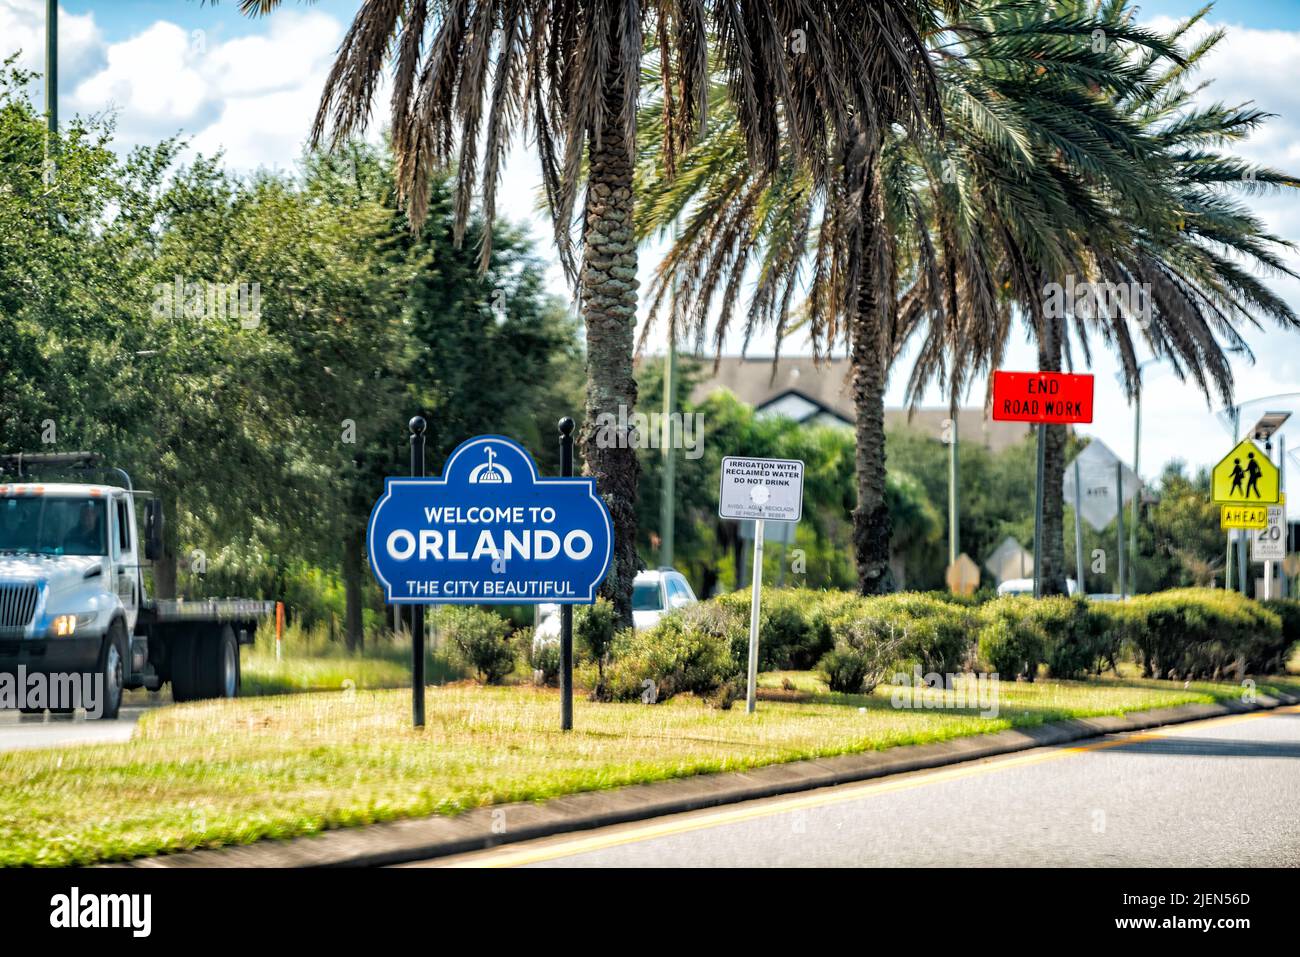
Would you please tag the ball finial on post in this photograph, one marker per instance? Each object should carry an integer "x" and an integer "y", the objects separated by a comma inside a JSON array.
[
  {"x": 417, "y": 425},
  {"x": 566, "y": 426}
]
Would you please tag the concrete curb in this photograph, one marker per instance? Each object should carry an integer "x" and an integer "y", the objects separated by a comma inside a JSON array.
[{"x": 398, "y": 842}]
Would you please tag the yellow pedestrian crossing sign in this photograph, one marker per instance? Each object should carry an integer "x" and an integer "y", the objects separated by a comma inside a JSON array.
[{"x": 1245, "y": 476}]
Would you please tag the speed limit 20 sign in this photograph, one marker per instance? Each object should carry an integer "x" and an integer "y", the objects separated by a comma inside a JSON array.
[{"x": 1269, "y": 544}]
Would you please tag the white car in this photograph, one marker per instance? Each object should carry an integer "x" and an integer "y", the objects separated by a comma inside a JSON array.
[
  {"x": 654, "y": 592},
  {"x": 1025, "y": 586}
]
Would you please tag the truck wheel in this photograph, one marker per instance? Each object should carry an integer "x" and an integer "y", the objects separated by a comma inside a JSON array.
[
  {"x": 219, "y": 662},
  {"x": 112, "y": 670},
  {"x": 184, "y": 666}
]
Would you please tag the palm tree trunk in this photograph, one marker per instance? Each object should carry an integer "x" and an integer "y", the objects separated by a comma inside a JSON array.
[
  {"x": 1051, "y": 554},
  {"x": 608, "y": 294},
  {"x": 871, "y": 524}
]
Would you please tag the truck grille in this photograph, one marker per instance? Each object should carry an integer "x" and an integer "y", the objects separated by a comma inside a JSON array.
[{"x": 17, "y": 605}]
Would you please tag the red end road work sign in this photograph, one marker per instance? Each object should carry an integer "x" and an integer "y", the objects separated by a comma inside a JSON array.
[{"x": 1057, "y": 398}]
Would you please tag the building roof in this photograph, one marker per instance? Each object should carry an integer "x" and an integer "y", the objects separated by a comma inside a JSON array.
[{"x": 812, "y": 392}]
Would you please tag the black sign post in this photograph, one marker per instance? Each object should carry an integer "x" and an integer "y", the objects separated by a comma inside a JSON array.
[
  {"x": 566, "y": 610},
  {"x": 417, "y": 426}
]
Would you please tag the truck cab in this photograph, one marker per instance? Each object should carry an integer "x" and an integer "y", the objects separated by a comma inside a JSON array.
[{"x": 73, "y": 605}]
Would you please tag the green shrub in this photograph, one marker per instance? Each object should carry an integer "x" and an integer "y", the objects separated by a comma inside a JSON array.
[
  {"x": 1106, "y": 630},
  {"x": 794, "y": 629},
  {"x": 973, "y": 600},
  {"x": 1012, "y": 640},
  {"x": 1201, "y": 633},
  {"x": 1273, "y": 660},
  {"x": 937, "y": 635},
  {"x": 681, "y": 654},
  {"x": 1081, "y": 637},
  {"x": 869, "y": 643},
  {"x": 593, "y": 631},
  {"x": 544, "y": 656},
  {"x": 845, "y": 670},
  {"x": 482, "y": 638}
]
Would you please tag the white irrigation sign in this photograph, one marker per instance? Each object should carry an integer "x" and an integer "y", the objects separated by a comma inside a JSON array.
[{"x": 759, "y": 490}]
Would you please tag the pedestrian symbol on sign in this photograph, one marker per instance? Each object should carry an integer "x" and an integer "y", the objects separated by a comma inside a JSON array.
[{"x": 1246, "y": 475}]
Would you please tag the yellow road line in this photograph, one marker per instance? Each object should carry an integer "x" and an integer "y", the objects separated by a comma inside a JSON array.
[{"x": 838, "y": 794}]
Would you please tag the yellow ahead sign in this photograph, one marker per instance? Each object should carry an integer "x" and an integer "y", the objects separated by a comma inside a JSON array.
[
  {"x": 1246, "y": 477},
  {"x": 1244, "y": 516}
]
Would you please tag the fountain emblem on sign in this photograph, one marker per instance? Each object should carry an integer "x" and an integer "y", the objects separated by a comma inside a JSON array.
[{"x": 489, "y": 473}]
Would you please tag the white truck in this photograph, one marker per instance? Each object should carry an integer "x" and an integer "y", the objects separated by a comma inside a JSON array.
[{"x": 72, "y": 590}]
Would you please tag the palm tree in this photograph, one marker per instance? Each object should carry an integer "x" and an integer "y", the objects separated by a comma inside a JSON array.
[
  {"x": 471, "y": 73},
  {"x": 1184, "y": 244},
  {"x": 904, "y": 238},
  {"x": 1041, "y": 159}
]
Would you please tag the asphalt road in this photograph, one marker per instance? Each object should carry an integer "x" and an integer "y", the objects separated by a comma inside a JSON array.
[
  {"x": 1221, "y": 792},
  {"x": 55, "y": 731}
]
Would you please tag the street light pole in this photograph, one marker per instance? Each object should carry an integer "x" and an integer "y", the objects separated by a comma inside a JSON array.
[
  {"x": 1137, "y": 470},
  {"x": 1137, "y": 496},
  {"x": 954, "y": 540},
  {"x": 666, "y": 494},
  {"x": 51, "y": 85}
]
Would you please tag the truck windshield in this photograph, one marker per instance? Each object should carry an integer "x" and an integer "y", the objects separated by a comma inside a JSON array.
[{"x": 52, "y": 526}]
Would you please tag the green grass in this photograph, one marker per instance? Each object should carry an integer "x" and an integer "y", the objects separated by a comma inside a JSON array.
[
  {"x": 213, "y": 773},
  {"x": 310, "y": 662}
]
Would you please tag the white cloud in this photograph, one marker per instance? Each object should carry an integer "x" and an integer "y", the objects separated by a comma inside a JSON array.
[
  {"x": 153, "y": 81},
  {"x": 22, "y": 28},
  {"x": 252, "y": 97}
]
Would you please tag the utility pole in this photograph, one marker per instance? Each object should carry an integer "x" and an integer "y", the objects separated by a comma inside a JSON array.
[
  {"x": 954, "y": 540},
  {"x": 1137, "y": 496},
  {"x": 51, "y": 85},
  {"x": 667, "y": 513},
  {"x": 666, "y": 494}
]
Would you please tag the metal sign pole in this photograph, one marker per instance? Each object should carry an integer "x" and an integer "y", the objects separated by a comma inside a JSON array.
[
  {"x": 1268, "y": 564},
  {"x": 751, "y": 695},
  {"x": 1038, "y": 510},
  {"x": 1078, "y": 528},
  {"x": 1243, "y": 561},
  {"x": 1119, "y": 525},
  {"x": 417, "y": 426},
  {"x": 566, "y": 611},
  {"x": 1284, "y": 590}
]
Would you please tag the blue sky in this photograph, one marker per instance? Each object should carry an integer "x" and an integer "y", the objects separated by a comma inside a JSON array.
[{"x": 248, "y": 88}]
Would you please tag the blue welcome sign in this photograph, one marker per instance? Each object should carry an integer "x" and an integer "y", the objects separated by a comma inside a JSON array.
[{"x": 490, "y": 530}]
